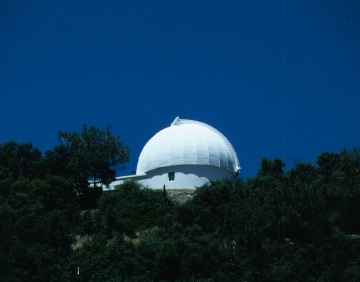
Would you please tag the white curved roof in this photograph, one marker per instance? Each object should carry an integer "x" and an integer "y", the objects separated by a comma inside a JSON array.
[{"x": 188, "y": 142}]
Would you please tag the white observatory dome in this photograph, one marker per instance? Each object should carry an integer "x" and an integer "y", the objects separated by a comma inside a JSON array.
[
  {"x": 188, "y": 142},
  {"x": 185, "y": 155}
]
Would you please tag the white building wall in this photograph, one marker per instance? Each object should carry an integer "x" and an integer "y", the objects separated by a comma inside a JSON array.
[
  {"x": 185, "y": 176},
  {"x": 122, "y": 179}
]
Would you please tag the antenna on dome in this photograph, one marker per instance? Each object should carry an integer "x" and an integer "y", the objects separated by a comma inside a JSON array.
[{"x": 175, "y": 122}]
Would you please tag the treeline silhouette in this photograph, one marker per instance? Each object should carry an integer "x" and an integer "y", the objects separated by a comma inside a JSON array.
[{"x": 296, "y": 225}]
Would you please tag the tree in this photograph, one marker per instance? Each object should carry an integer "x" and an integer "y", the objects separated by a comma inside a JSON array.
[
  {"x": 20, "y": 159},
  {"x": 93, "y": 154},
  {"x": 38, "y": 219}
]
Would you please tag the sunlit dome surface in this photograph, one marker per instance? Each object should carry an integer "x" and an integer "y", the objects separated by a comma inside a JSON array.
[{"x": 188, "y": 142}]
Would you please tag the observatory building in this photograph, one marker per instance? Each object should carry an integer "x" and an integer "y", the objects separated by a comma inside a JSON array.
[{"x": 187, "y": 154}]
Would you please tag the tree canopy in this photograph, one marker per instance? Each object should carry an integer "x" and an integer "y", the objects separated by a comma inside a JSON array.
[
  {"x": 93, "y": 154},
  {"x": 294, "y": 225}
]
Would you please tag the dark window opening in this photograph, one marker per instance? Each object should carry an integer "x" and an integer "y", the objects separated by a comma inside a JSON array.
[{"x": 171, "y": 176}]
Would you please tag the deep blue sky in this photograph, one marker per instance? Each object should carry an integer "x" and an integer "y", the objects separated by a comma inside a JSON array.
[{"x": 277, "y": 78}]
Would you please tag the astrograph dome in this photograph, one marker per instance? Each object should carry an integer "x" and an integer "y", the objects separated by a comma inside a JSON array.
[{"x": 188, "y": 142}]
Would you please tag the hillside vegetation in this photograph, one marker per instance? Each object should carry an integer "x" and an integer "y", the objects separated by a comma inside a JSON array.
[{"x": 295, "y": 225}]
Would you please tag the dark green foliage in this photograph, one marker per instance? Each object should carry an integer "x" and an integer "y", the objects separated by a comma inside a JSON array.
[
  {"x": 36, "y": 224},
  {"x": 128, "y": 209},
  {"x": 295, "y": 225},
  {"x": 38, "y": 212},
  {"x": 19, "y": 160},
  {"x": 93, "y": 154}
]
